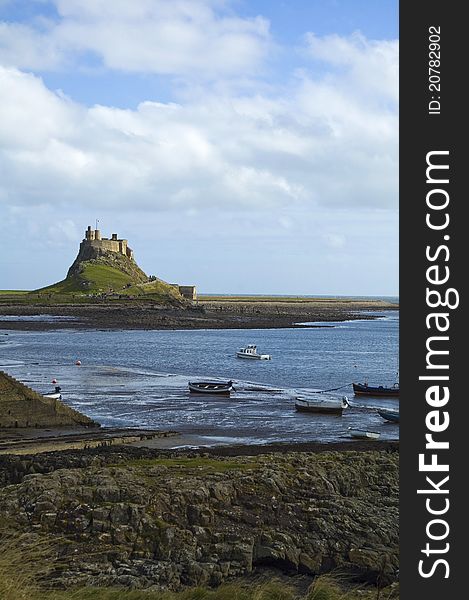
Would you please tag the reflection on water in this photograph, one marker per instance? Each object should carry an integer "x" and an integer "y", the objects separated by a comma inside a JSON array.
[{"x": 139, "y": 378}]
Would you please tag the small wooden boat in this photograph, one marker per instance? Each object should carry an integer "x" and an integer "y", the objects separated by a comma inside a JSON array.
[
  {"x": 321, "y": 404},
  {"x": 361, "y": 434},
  {"x": 55, "y": 395},
  {"x": 211, "y": 387},
  {"x": 363, "y": 389},
  {"x": 251, "y": 352},
  {"x": 389, "y": 415}
]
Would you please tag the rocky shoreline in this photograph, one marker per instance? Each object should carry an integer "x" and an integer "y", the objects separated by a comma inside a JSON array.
[
  {"x": 203, "y": 315},
  {"x": 143, "y": 518}
]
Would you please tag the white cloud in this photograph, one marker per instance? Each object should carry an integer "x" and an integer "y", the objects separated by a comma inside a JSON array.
[
  {"x": 181, "y": 37},
  {"x": 322, "y": 141},
  {"x": 328, "y": 138},
  {"x": 23, "y": 46},
  {"x": 371, "y": 66}
]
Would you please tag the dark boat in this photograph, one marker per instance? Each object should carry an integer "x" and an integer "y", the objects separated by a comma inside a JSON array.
[
  {"x": 389, "y": 415},
  {"x": 211, "y": 387},
  {"x": 363, "y": 389}
]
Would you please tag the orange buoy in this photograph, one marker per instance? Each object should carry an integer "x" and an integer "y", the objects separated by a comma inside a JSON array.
[{"x": 78, "y": 363}]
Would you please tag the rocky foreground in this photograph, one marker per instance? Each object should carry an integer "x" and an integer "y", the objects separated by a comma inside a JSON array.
[{"x": 166, "y": 520}]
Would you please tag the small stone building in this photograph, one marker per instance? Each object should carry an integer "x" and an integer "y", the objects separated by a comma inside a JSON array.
[{"x": 189, "y": 292}]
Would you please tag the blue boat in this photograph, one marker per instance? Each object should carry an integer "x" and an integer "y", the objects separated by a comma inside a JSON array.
[
  {"x": 363, "y": 389},
  {"x": 389, "y": 415}
]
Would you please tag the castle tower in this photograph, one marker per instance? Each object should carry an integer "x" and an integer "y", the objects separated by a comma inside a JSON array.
[
  {"x": 94, "y": 239},
  {"x": 123, "y": 247}
]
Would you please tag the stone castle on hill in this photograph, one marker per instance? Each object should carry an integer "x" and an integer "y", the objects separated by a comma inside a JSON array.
[
  {"x": 114, "y": 252},
  {"x": 93, "y": 239},
  {"x": 94, "y": 246}
]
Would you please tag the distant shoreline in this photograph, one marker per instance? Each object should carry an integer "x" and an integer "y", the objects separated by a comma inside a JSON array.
[{"x": 217, "y": 313}]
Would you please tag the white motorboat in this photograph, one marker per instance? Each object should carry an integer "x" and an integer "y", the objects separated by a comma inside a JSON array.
[
  {"x": 55, "y": 395},
  {"x": 361, "y": 434},
  {"x": 321, "y": 403},
  {"x": 251, "y": 352}
]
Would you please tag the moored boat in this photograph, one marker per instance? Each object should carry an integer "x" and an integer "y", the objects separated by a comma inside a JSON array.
[
  {"x": 55, "y": 395},
  {"x": 362, "y": 434},
  {"x": 211, "y": 387},
  {"x": 389, "y": 415},
  {"x": 250, "y": 351},
  {"x": 321, "y": 404},
  {"x": 363, "y": 389}
]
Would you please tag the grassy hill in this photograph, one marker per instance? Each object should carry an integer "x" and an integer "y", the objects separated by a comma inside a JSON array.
[
  {"x": 95, "y": 277},
  {"x": 92, "y": 278},
  {"x": 98, "y": 273}
]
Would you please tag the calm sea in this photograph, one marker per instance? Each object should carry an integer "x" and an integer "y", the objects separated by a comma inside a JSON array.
[{"x": 139, "y": 378}]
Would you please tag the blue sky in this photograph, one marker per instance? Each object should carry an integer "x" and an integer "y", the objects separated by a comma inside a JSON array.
[
  {"x": 244, "y": 146},
  {"x": 377, "y": 20}
]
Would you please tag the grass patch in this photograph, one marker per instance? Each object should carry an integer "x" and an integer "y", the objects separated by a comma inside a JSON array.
[
  {"x": 267, "y": 591},
  {"x": 151, "y": 289},
  {"x": 327, "y": 588},
  {"x": 93, "y": 278},
  {"x": 334, "y": 587},
  {"x": 103, "y": 277},
  {"x": 13, "y": 292},
  {"x": 24, "y": 562}
]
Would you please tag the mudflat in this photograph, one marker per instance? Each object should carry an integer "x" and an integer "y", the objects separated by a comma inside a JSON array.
[
  {"x": 211, "y": 313},
  {"x": 143, "y": 442}
]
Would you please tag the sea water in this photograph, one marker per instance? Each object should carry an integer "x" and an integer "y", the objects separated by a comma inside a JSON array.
[{"x": 139, "y": 378}]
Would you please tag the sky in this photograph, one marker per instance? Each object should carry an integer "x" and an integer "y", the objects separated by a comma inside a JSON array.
[{"x": 244, "y": 146}]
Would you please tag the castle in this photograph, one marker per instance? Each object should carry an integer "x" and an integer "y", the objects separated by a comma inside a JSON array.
[
  {"x": 94, "y": 246},
  {"x": 93, "y": 239}
]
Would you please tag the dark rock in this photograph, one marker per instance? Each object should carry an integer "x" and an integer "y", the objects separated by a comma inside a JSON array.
[{"x": 168, "y": 526}]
